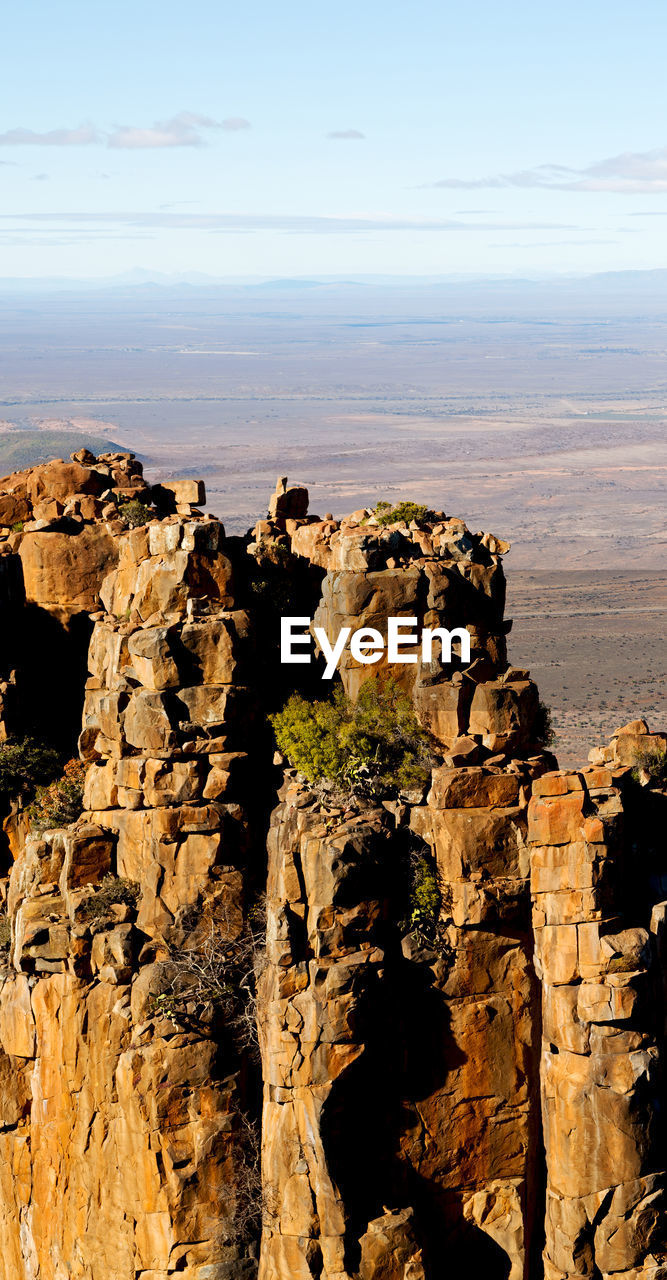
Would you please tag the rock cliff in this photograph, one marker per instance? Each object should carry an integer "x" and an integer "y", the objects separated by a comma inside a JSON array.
[{"x": 229, "y": 1044}]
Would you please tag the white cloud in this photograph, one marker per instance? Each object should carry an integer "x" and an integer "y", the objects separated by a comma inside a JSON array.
[
  {"x": 81, "y": 137},
  {"x": 63, "y": 238},
  {"x": 303, "y": 224},
  {"x": 545, "y": 244},
  {"x": 183, "y": 130},
  {"x": 187, "y": 129},
  {"x": 346, "y": 135},
  {"x": 631, "y": 172}
]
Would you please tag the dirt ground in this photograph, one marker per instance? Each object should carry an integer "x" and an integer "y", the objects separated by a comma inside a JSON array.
[{"x": 596, "y": 643}]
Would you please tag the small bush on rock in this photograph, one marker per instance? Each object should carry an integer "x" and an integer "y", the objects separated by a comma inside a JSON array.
[
  {"x": 252, "y": 1203},
  {"x": 424, "y": 899},
  {"x": 543, "y": 731},
  {"x": 651, "y": 766},
  {"x": 60, "y": 803},
  {"x": 112, "y": 890},
  {"x": 217, "y": 976},
  {"x": 272, "y": 585},
  {"x": 375, "y": 743},
  {"x": 26, "y": 764},
  {"x": 403, "y": 511},
  {"x": 135, "y": 513},
  {"x": 245, "y": 1220},
  {"x": 5, "y": 933}
]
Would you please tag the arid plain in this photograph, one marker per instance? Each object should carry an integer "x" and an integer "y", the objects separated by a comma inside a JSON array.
[{"x": 534, "y": 410}]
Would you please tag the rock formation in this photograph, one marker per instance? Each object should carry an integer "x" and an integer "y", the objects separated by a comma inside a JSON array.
[{"x": 483, "y": 1098}]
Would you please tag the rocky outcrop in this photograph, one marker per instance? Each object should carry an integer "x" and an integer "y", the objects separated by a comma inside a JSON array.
[
  {"x": 137, "y": 1122},
  {"x": 599, "y": 947},
  {"x": 479, "y": 1094},
  {"x": 318, "y": 1013}
]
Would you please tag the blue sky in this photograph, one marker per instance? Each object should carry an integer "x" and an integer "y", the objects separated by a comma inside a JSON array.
[{"x": 299, "y": 139}]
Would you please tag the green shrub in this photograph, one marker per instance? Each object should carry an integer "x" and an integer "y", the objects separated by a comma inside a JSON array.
[
  {"x": 25, "y": 765},
  {"x": 135, "y": 513},
  {"x": 272, "y": 552},
  {"x": 407, "y": 511},
  {"x": 376, "y": 742},
  {"x": 543, "y": 731},
  {"x": 272, "y": 583},
  {"x": 424, "y": 899},
  {"x": 110, "y": 891},
  {"x": 651, "y": 761},
  {"x": 60, "y": 803},
  {"x": 17, "y": 527}
]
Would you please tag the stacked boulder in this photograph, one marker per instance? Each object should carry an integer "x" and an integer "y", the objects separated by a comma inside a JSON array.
[
  {"x": 79, "y": 505},
  {"x": 167, "y": 718}
]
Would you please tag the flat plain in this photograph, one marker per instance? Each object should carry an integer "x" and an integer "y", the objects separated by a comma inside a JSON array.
[
  {"x": 595, "y": 643},
  {"x": 534, "y": 410}
]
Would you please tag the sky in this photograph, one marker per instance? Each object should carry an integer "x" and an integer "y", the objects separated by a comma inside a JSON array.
[{"x": 293, "y": 139}]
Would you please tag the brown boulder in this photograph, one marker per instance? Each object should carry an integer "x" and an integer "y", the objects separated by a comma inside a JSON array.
[
  {"x": 65, "y": 571},
  {"x": 472, "y": 788},
  {"x": 556, "y": 819},
  {"x": 63, "y": 480},
  {"x": 14, "y": 505},
  {"x": 288, "y": 503},
  {"x": 389, "y": 1248}
]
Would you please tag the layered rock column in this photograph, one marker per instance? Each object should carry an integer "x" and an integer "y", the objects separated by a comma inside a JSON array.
[
  {"x": 474, "y": 1132},
  {"x": 167, "y": 719},
  {"x": 323, "y": 1016},
  {"x": 599, "y": 952},
  {"x": 460, "y": 1088},
  {"x": 123, "y": 1137}
]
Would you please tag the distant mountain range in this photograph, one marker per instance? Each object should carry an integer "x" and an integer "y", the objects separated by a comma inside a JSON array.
[{"x": 654, "y": 280}]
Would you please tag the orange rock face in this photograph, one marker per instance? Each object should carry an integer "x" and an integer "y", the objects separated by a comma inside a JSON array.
[
  {"x": 460, "y": 1001},
  {"x": 598, "y": 950},
  {"x": 63, "y": 571}
]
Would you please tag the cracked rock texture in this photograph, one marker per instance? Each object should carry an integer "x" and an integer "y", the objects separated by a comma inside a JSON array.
[{"x": 484, "y": 1100}]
